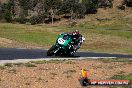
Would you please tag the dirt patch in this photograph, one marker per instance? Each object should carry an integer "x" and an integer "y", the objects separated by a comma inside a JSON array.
[
  {"x": 15, "y": 44},
  {"x": 4, "y": 41},
  {"x": 59, "y": 75}
]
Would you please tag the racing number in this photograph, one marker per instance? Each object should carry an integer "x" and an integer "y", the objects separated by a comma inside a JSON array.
[{"x": 61, "y": 41}]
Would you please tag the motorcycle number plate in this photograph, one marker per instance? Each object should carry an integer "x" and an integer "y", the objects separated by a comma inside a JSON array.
[{"x": 61, "y": 41}]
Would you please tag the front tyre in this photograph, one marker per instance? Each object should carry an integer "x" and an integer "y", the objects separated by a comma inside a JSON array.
[{"x": 50, "y": 52}]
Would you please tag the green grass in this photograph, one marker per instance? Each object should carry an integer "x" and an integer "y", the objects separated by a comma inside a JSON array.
[
  {"x": 39, "y": 62},
  {"x": 109, "y": 36},
  {"x": 128, "y": 51},
  {"x": 30, "y": 65},
  {"x": 123, "y": 77},
  {"x": 50, "y": 61},
  {"x": 129, "y": 61},
  {"x": 70, "y": 62},
  {"x": 29, "y": 34},
  {"x": 14, "y": 71},
  {"x": 2, "y": 46},
  {"x": 8, "y": 64},
  {"x": 69, "y": 71},
  {"x": 53, "y": 74},
  {"x": 18, "y": 64},
  {"x": 27, "y": 84},
  {"x": 119, "y": 30},
  {"x": 100, "y": 37},
  {"x": 2, "y": 67}
]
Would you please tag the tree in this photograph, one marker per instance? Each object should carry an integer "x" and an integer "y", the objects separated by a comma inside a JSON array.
[
  {"x": 32, "y": 4},
  {"x": 52, "y": 7},
  {"x": 105, "y": 3},
  {"x": 6, "y": 10},
  {"x": 80, "y": 10},
  {"x": 127, "y": 3},
  {"x": 91, "y": 5},
  {"x": 0, "y": 10},
  {"x": 72, "y": 7},
  {"x": 24, "y": 7}
]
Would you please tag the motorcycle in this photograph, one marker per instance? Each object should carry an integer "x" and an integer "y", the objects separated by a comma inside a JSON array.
[{"x": 64, "y": 46}]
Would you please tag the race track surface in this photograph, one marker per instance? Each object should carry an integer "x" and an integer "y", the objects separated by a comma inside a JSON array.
[{"x": 12, "y": 54}]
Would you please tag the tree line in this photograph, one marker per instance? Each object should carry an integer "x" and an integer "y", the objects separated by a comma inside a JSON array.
[{"x": 46, "y": 11}]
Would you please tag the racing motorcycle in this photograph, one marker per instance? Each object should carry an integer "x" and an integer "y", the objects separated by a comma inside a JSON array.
[{"x": 64, "y": 46}]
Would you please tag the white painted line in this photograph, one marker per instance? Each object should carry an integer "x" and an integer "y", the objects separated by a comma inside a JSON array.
[
  {"x": 2, "y": 62},
  {"x": 19, "y": 61},
  {"x": 97, "y": 57}
]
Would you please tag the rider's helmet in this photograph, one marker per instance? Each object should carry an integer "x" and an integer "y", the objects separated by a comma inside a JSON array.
[{"x": 76, "y": 32}]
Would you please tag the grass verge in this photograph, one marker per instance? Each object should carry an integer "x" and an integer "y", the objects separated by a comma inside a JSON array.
[
  {"x": 123, "y": 77},
  {"x": 129, "y": 61},
  {"x": 112, "y": 38}
]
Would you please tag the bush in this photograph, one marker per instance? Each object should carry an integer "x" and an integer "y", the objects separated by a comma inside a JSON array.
[
  {"x": 34, "y": 20},
  {"x": 0, "y": 17},
  {"x": 91, "y": 6},
  {"x": 105, "y": 3},
  {"x": 0, "y": 11},
  {"x": 7, "y": 16},
  {"x": 21, "y": 20},
  {"x": 5, "y": 10},
  {"x": 73, "y": 8},
  {"x": 121, "y": 7},
  {"x": 37, "y": 19}
]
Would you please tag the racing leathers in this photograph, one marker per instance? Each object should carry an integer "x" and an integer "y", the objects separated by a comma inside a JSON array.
[{"x": 77, "y": 41}]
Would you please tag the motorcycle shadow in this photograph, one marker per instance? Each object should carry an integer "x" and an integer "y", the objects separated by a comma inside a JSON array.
[{"x": 61, "y": 56}]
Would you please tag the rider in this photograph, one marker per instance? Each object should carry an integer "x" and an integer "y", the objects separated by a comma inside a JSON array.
[{"x": 76, "y": 38}]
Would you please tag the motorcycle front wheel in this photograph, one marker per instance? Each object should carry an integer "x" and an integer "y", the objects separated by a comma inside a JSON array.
[{"x": 50, "y": 52}]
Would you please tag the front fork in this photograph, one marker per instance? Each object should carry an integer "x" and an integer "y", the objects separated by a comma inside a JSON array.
[{"x": 57, "y": 49}]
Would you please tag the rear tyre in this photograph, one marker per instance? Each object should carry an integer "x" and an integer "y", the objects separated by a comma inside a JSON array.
[
  {"x": 69, "y": 54},
  {"x": 50, "y": 52}
]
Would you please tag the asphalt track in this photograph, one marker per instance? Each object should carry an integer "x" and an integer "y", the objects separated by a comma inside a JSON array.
[{"x": 13, "y": 54}]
